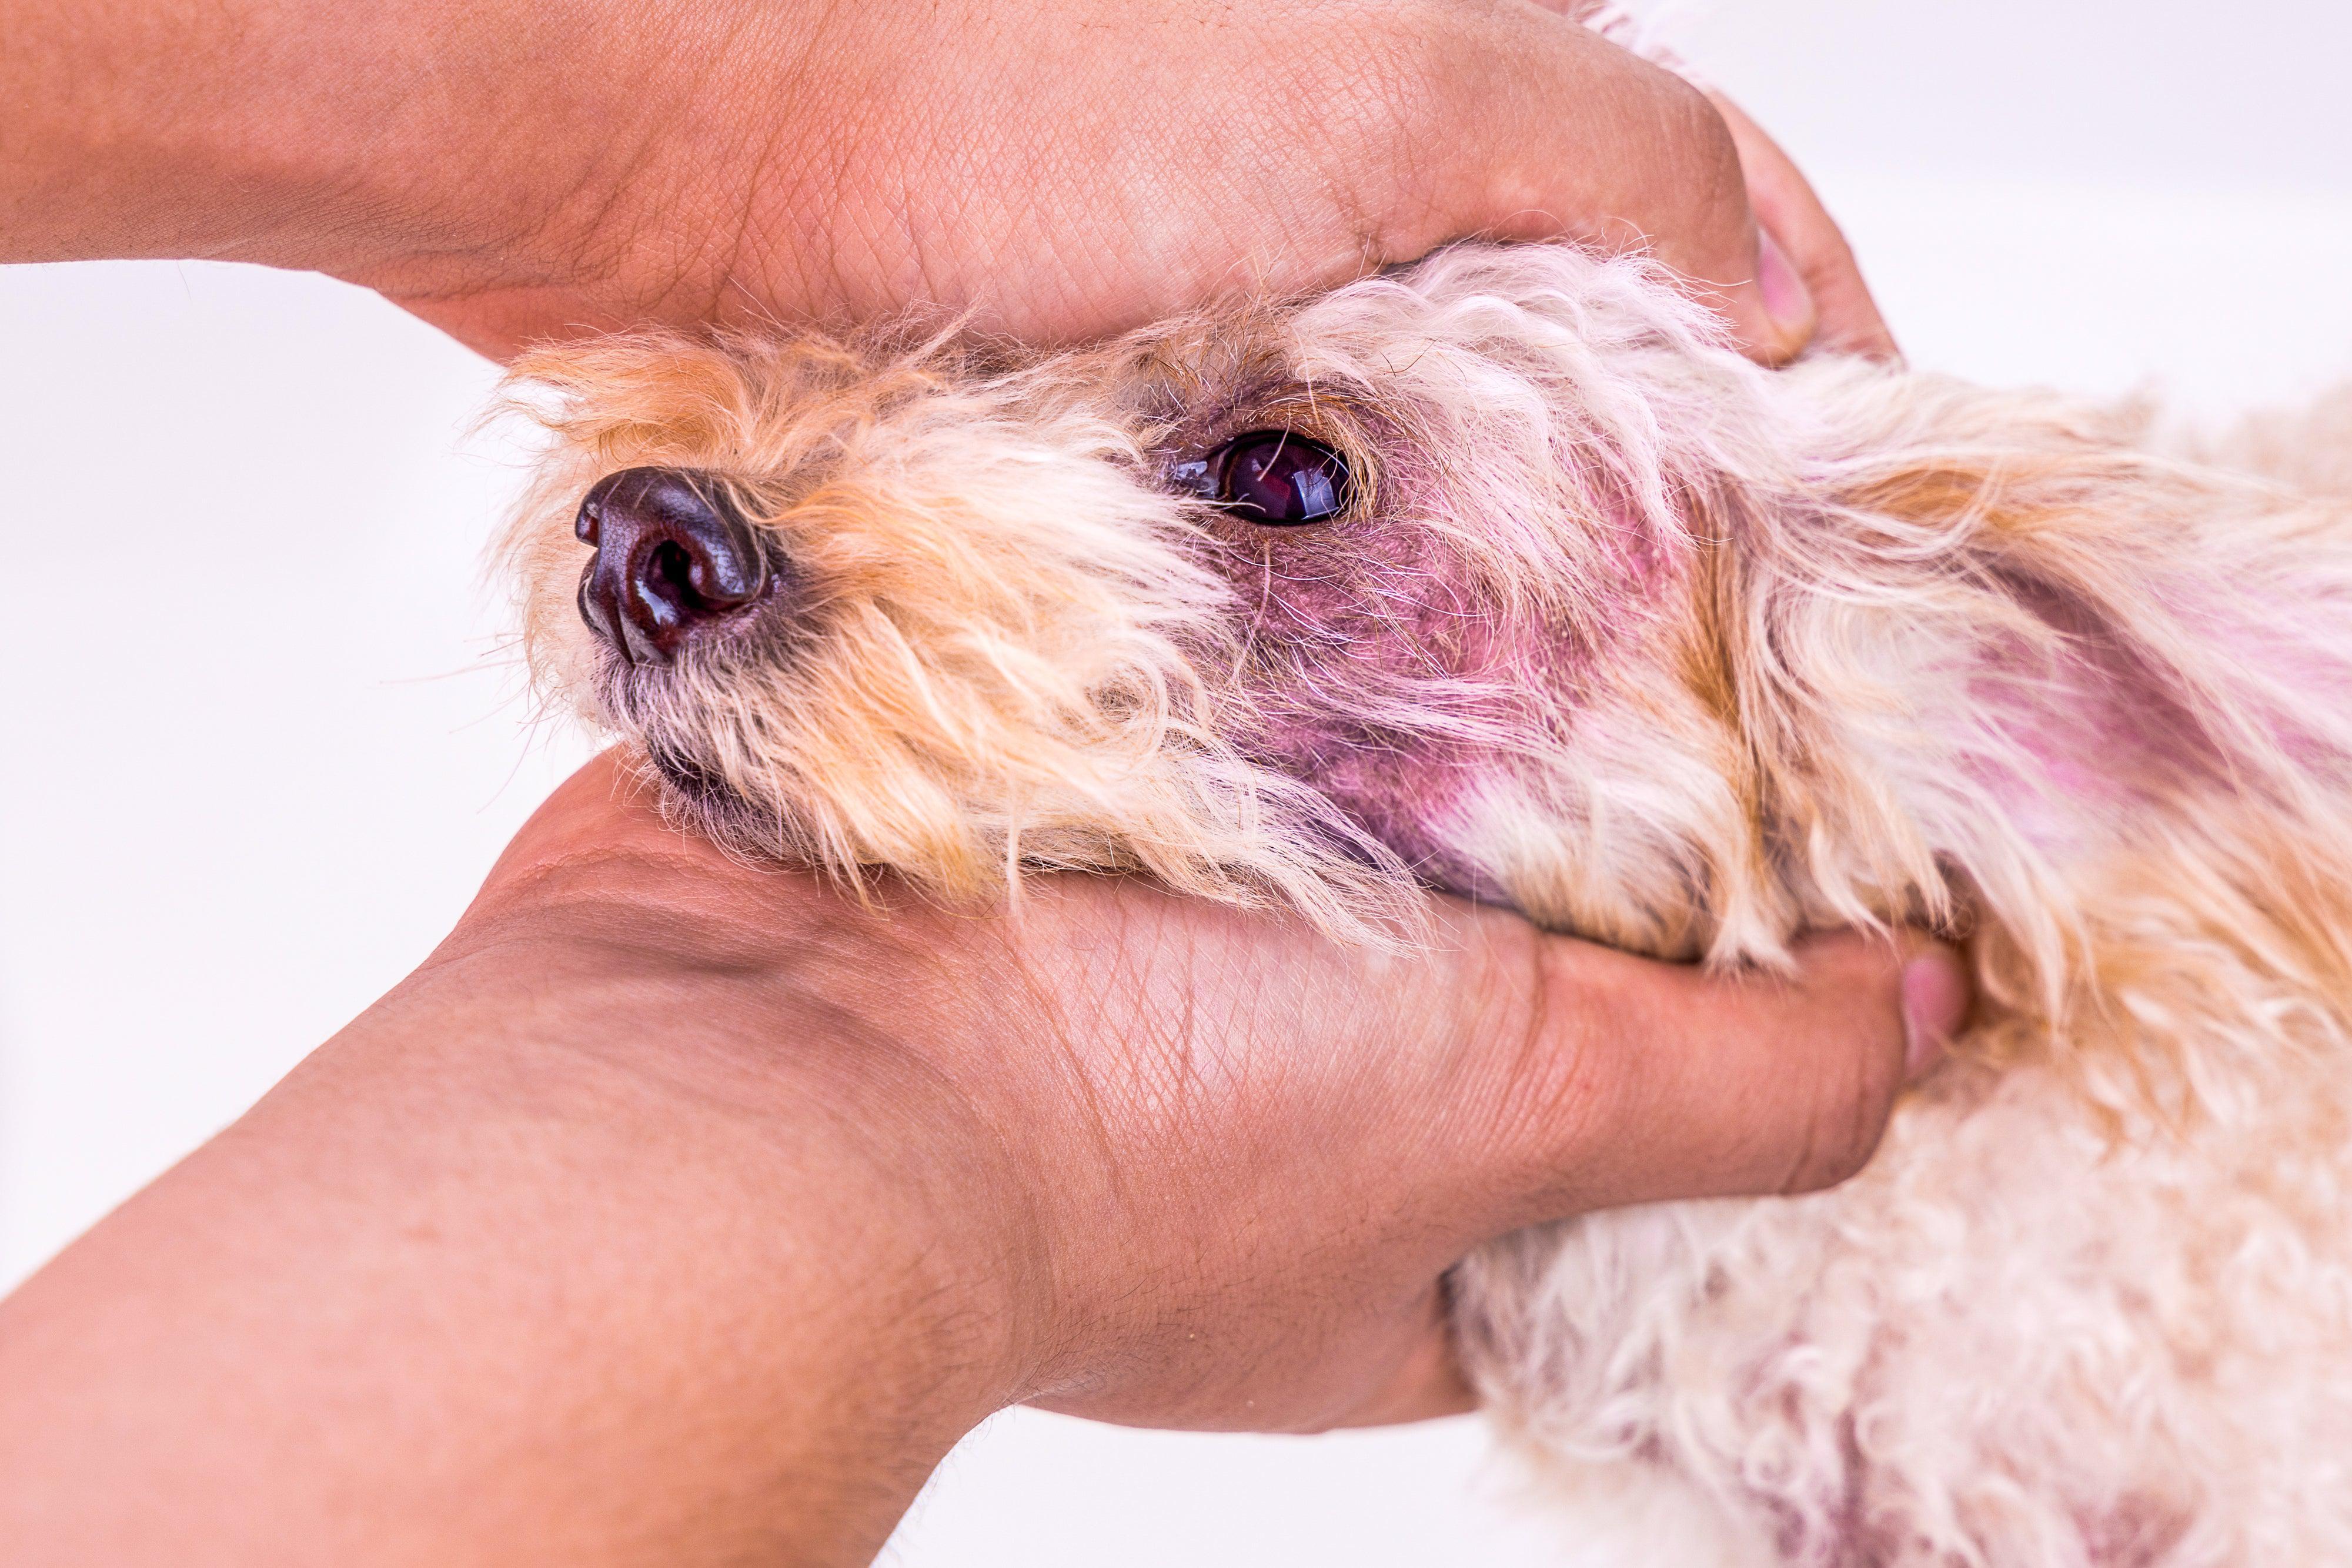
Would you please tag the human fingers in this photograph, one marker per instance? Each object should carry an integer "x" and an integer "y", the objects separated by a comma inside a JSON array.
[
  {"x": 1626, "y": 1081},
  {"x": 1559, "y": 132},
  {"x": 1060, "y": 171},
  {"x": 1802, "y": 256},
  {"x": 1635, "y": 1081},
  {"x": 1792, "y": 217}
]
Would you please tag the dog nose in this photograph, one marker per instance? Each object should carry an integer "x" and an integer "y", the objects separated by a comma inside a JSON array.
[{"x": 672, "y": 555}]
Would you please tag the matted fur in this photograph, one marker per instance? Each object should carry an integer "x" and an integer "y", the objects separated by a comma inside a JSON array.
[{"x": 1667, "y": 650}]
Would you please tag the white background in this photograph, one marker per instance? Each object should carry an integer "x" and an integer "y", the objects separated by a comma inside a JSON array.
[{"x": 258, "y": 739}]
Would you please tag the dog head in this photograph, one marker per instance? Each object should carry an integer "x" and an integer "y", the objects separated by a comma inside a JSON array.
[
  {"x": 1504, "y": 574},
  {"x": 1303, "y": 602}
]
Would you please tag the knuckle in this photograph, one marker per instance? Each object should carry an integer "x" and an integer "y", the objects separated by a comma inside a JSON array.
[
  {"x": 1699, "y": 190},
  {"x": 1705, "y": 171},
  {"x": 1390, "y": 67},
  {"x": 1446, "y": 91}
]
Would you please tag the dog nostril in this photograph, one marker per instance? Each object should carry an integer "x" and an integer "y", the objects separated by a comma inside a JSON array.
[
  {"x": 672, "y": 554},
  {"x": 670, "y": 571}
]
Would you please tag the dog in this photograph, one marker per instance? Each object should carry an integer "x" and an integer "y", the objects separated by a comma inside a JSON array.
[{"x": 1505, "y": 575}]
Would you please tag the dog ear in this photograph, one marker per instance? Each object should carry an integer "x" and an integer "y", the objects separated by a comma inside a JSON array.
[{"x": 2106, "y": 658}]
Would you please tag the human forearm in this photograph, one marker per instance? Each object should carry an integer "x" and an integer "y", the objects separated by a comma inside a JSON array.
[
  {"x": 419, "y": 145},
  {"x": 527, "y": 1266}
]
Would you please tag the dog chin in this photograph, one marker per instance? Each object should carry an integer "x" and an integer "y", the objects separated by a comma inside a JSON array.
[
  {"x": 654, "y": 705},
  {"x": 643, "y": 704},
  {"x": 694, "y": 797},
  {"x": 695, "y": 786}
]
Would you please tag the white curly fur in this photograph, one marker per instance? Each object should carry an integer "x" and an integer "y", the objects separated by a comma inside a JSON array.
[{"x": 1670, "y": 651}]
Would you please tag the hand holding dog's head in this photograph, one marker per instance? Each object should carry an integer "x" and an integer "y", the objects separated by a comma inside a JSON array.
[
  {"x": 1282, "y": 609},
  {"x": 1507, "y": 574},
  {"x": 1164, "y": 1161}
]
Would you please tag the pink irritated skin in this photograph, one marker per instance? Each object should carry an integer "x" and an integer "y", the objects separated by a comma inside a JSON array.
[
  {"x": 2311, "y": 658},
  {"x": 2105, "y": 731},
  {"x": 2087, "y": 754},
  {"x": 2136, "y": 1531},
  {"x": 1397, "y": 684},
  {"x": 2092, "y": 718}
]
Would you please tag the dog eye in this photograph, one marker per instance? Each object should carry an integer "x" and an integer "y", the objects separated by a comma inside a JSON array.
[{"x": 1272, "y": 476}]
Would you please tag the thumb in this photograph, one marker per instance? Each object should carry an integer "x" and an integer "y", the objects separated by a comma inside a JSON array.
[
  {"x": 1559, "y": 132},
  {"x": 1797, "y": 234},
  {"x": 1676, "y": 175},
  {"x": 1642, "y": 1081}
]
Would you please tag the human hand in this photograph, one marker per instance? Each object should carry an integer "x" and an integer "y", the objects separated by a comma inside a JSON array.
[
  {"x": 1061, "y": 169},
  {"x": 1790, "y": 216},
  {"x": 678, "y": 1210},
  {"x": 1212, "y": 1166}
]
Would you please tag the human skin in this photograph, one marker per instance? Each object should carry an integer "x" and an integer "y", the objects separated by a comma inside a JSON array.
[
  {"x": 515, "y": 169},
  {"x": 682, "y": 1212}
]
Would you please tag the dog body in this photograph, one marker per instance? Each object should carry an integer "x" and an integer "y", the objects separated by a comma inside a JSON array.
[{"x": 1659, "y": 648}]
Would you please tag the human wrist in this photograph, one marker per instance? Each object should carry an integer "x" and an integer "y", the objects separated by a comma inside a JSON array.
[
  {"x": 716, "y": 988},
  {"x": 812, "y": 1236}
]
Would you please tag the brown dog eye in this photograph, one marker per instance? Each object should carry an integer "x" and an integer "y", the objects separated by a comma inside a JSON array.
[{"x": 1274, "y": 477}]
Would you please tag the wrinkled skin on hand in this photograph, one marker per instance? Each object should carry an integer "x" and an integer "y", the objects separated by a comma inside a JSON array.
[
  {"x": 1059, "y": 169},
  {"x": 1209, "y": 1167}
]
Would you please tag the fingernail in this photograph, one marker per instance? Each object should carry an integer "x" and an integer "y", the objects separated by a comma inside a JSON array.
[
  {"x": 1935, "y": 1000},
  {"x": 1786, "y": 298}
]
